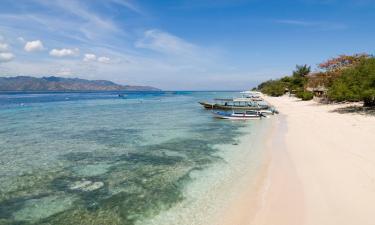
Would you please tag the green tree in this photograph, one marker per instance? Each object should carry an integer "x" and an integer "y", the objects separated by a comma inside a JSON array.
[
  {"x": 355, "y": 84},
  {"x": 301, "y": 71}
]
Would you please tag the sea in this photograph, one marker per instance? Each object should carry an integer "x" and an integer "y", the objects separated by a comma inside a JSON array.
[{"x": 143, "y": 158}]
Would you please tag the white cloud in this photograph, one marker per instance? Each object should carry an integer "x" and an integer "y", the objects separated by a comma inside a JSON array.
[
  {"x": 3, "y": 47},
  {"x": 21, "y": 39},
  {"x": 166, "y": 43},
  {"x": 32, "y": 46},
  {"x": 64, "y": 72},
  {"x": 89, "y": 57},
  {"x": 322, "y": 25},
  {"x": 64, "y": 52},
  {"x": 93, "y": 58},
  {"x": 128, "y": 4},
  {"x": 6, "y": 57},
  {"x": 104, "y": 59}
]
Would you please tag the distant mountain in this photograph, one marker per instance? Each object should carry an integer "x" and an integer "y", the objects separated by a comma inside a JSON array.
[{"x": 52, "y": 83}]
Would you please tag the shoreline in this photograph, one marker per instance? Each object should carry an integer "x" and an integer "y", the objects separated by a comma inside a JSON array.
[
  {"x": 212, "y": 189},
  {"x": 263, "y": 201},
  {"x": 320, "y": 171}
]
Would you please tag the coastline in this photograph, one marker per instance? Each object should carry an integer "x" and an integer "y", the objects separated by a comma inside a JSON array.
[
  {"x": 276, "y": 182},
  {"x": 212, "y": 191},
  {"x": 322, "y": 171}
]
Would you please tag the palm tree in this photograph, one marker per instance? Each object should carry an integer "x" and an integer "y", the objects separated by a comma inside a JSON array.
[{"x": 301, "y": 70}]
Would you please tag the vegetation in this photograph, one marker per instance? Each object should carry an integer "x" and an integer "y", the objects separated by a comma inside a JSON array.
[
  {"x": 355, "y": 84},
  {"x": 273, "y": 88},
  {"x": 346, "y": 78},
  {"x": 295, "y": 83},
  {"x": 305, "y": 95}
]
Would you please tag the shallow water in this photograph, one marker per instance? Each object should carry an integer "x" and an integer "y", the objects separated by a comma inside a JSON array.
[{"x": 93, "y": 158}]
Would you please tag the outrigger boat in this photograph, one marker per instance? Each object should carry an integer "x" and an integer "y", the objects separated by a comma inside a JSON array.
[
  {"x": 252, "y": 95},
  {"x": 234, "y": 104},
  {"x": 246, "y": 115}
]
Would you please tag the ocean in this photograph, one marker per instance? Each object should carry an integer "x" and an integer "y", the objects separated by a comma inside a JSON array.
[{"x": 94, "y": 158}]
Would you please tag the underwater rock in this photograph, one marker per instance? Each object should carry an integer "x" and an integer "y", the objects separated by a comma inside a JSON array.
[
  {"x": 91, "y": 170},
  {"x": 78, "y": 185},
  {"x": 94, "y": 186},
  {"x": 86, "y": 185},
  {"x": 35, "y": 209}
]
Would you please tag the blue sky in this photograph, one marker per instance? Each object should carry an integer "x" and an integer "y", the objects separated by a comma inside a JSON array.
[{"x": 179, "y": 44}]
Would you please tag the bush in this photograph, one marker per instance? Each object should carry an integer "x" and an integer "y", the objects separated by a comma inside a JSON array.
[
  {"x": 305, "y": 95},
  {"x": 369, "y": 98},
  {"x": 355, "y": 84},
  {"x": 273, "y": 88}
]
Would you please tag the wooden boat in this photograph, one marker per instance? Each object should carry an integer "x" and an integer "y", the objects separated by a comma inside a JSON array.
[
  {"x": 234, "y": 104},
  {"x": 246, "y": 115},
  {"x": 252, "y": 95}
]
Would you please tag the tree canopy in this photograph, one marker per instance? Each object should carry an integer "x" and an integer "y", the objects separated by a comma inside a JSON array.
[
  {"x": 355, "y": 84},
  {"x": 347, "y": 78}
]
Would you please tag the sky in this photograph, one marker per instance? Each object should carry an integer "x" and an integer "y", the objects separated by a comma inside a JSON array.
[{"x": 179, "y": 44}]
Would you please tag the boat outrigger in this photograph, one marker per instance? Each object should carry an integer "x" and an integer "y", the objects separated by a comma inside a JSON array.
[{"x": 246, "y": 115}]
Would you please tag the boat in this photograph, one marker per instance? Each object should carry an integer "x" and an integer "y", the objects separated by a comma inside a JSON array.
[
  {"x": 252, "y": 95},
  {"x": 246, "y": 115},
  {"x": 234, "y": 104},
  {"x": 270, "y": 111}
]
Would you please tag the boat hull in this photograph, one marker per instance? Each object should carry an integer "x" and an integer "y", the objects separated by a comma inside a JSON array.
[
  {"x": 207, "y": 105},
  {"x": 237, "y": 117}
]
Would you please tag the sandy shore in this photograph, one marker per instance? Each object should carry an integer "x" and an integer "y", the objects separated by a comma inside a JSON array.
[{"x": 321, "y": 169}]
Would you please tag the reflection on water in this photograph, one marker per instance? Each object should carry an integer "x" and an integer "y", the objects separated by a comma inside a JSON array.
[{"x": 103, "y": 160}]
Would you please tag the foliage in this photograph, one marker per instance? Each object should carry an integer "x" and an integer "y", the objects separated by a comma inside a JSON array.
[
  {"x": 368, "y": 97},
  {"x": 305, "y": 95},
  {"x": 301, "y": 71},
  {"x": 342, "y": 62},
  {"x": 347, "y": 78},
  {"x": 355, "y": 84},
  {"x": 296, "y": 82},
  {"x": 272, "y": 87}
]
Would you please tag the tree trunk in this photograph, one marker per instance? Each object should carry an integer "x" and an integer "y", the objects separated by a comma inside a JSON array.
[{"x": 369, "y": 101}]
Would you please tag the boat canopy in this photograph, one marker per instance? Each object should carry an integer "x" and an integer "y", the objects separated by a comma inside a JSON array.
[
  {"x": 233, "y": 100},
  {"x": 236, "y": 102},
  {"x": 251, "y": 92}
]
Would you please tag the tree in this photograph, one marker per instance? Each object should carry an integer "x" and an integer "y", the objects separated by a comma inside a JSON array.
[
  {"x": 272, "y": 87},
  {"x": 299, "y": 78},
  {"x": 355, "y": 83},
  {"x": 301, "y": 71},
  {"x": 343, "y": 61}
]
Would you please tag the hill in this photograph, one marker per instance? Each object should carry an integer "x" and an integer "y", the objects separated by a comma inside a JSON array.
[{"x": 52, "y": 83}]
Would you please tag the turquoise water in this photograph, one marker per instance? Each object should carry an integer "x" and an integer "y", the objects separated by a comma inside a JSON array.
[{"x": 94, "y": 158}]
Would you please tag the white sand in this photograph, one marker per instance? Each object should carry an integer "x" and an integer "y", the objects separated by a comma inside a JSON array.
[
  {"x": 320, "y": 170},
  {"x": 324, "y": 174}
]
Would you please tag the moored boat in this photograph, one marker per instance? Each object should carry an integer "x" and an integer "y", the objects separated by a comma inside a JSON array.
[
  {"x": 234, "y": 104},
  {"x": 246, "y": 115}
]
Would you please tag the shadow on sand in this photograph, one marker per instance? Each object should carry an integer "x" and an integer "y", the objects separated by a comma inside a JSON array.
[{"x": 369, "y": 111}]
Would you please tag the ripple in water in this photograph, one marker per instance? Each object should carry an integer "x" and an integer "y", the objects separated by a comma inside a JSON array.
[{"x": 111, "y": 163}]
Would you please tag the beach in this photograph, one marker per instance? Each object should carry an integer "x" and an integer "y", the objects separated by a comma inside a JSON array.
[
  {"x": 306, "y": 165},
  {"x": 320, "y": 168}
]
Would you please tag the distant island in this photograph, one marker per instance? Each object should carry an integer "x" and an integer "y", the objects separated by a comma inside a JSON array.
[{"x": 53, "y": 83}]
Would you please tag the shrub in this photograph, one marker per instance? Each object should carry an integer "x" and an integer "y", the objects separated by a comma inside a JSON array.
[
  {"x": 355, "y": 84},
  {"x": 305, "y": 95},
  {"x": 273, "y": 88},
  {"x": 369, "y": 98}
]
